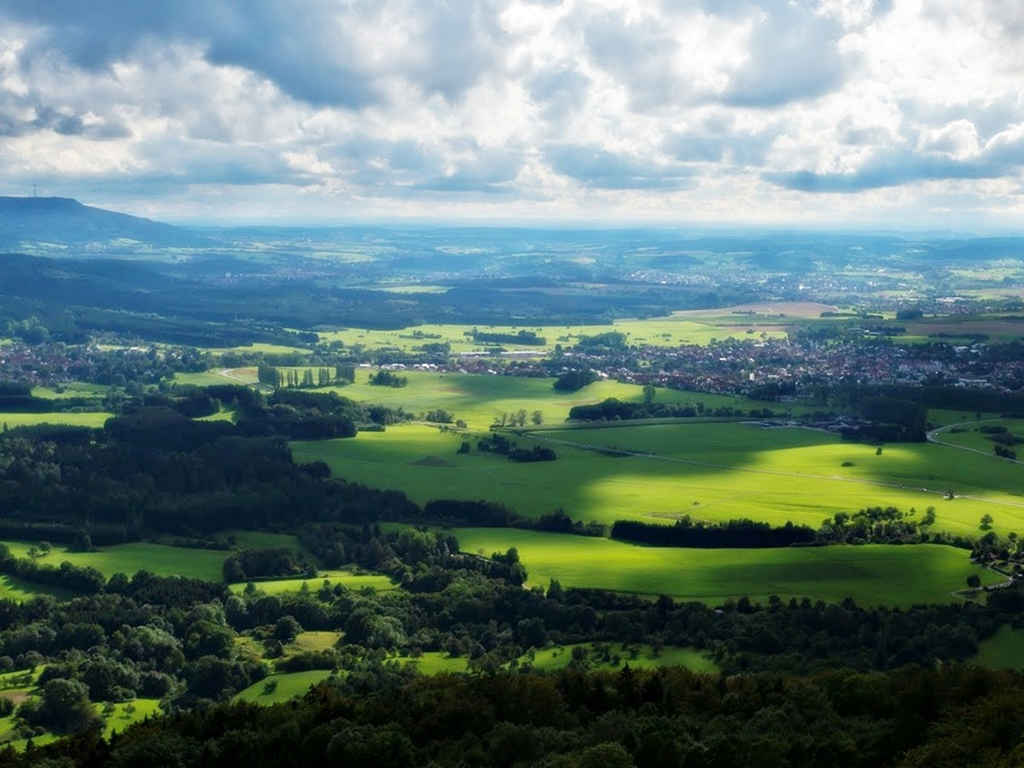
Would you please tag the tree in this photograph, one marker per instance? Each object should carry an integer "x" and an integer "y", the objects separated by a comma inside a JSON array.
[
  {"x": 286, "y": 629},
  {"x": 65, "y": 707},
  {"x": 537, "y": 418},
  {"x": 974, "y": 581},
  {"x": 520, "y": 417},
  {"x": 986, "y": 522},
  {"x": 649, "y": 393}
]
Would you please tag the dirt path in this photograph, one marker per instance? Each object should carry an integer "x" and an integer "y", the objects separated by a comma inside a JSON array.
[{"x": 228, "y": 373}]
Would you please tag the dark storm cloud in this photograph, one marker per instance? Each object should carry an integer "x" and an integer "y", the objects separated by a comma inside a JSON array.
[{"x": 596, "y": 167}]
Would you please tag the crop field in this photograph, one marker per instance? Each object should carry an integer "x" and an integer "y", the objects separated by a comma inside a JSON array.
[
  {"x": 349, "y": 580},
  {"x": 995, "y": 327},
  {"x": 477, "y": 399},
  {"x": 670, "y": 331},
  {"x": 710, "y": 471},
  {"x": 217, "y": 377},
  {"x": 1004, "y": 650},
  {"x": 267, "y": 349},
  {"x": 91, "y": 419},
  {"x": 870, "y": 574},
  {"x": 158, "y": 559}
]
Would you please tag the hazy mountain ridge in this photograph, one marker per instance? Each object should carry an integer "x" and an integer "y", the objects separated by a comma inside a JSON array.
[{"x": 66, "y": 221}]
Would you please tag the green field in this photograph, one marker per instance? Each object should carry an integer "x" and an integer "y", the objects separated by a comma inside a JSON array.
[
  {"x": 13, "y": 588},
  {"x": 1004, "y": 650},
  {"x": 667, "y": 331},
  {"x": 284, "y": 686},
  {"x": 977, "y": 440},
  {"x": 646, "y": 657},
  {"x": 217, "y": 377},
  {"x": 871, "y": 574},
  {"x": 70, "y": 390},
  {"x": 350, "y": 580},
  {"x": 710, "y": 471},
  {"x": 478, "y": 399},
  {"x": 158, "y": 559},
  {"x": 90, "y": 419}
]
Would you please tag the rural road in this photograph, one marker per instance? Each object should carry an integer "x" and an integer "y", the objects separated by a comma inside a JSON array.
[{"x": 933, "y": 437}]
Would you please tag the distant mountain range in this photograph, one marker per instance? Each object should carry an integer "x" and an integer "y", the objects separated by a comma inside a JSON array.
[{"x": 27, "y": 221}]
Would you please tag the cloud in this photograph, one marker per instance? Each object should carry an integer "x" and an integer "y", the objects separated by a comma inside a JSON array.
[
  {"x": 415, "y": 107},
  {"x": 793, "y": 55},
  {"x": 718, "y": 141},
  {"x": 596, "y": 167},
  {"x": 889, "y": 170},
  {"x": 325, "y": 53}
]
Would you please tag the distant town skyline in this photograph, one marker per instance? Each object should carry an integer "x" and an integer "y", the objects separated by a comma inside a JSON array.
[{"x": 898, "y": 114}]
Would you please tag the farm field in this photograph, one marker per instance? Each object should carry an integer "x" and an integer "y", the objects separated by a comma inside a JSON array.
[
  {"x": 217, "y": 377},
  {"x": 477, "y": 399},
  {"x": 710, "y": 471},
  {"x": 346, "y": 578},
  {"x": 94, "y": 419},
  {"x": 870, "y": 574},
  {"x": 669, "y": 331},
  {"x": 158, "y": 559},
  {"x": 1004, "y": 650},
  {"x": 267, "y": 349}
]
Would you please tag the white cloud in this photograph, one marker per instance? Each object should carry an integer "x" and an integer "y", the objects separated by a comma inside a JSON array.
[{"x": 588, "y": 109}]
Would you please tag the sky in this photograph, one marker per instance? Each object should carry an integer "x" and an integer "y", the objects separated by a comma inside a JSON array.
[{"x": 863, "y": 113}]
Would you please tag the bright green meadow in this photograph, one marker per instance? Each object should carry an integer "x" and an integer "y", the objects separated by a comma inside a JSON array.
[
  {"x": 348, "y": 579},
  {"x": 94, "y": 419},
  {"x": 158, "y": 559},
  {"x": 710, "y": 471},
  {"x": 871, "y": 574}
]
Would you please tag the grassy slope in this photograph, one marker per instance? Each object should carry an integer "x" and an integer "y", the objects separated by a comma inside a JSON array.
[
  {"x": 874, "y": 574},
  {"x": 713, "y": 471},
  {"x": 70, "y": 390},
  {"x": 1004, "y": 650},
  {"x": 289, "y": 685},
  {"x": 128, "y": 558},
  {"x": 559, "y": 657},
  {"x": 13, "y": 588},
  {"x": 348, "y": 579},
  {"x": 93, "y": 419},
  {"x": 978, "y": 440},
  {"x": 477, "y": 399}
]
